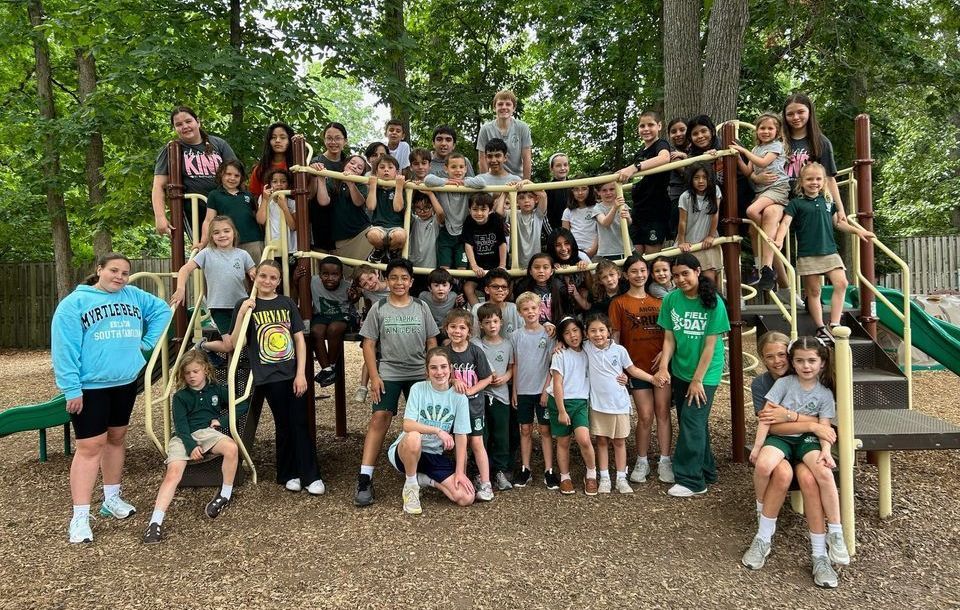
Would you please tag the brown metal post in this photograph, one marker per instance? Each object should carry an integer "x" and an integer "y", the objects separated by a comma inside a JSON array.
[
  {"x": 863, "y": 171},
  {"x": 302, "y": 273},
  {"x": 177, "y": 258},
  {"x": 731, "y": 268}
]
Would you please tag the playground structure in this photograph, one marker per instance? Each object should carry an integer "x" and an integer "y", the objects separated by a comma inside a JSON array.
[{"x": 874, "y": 398}]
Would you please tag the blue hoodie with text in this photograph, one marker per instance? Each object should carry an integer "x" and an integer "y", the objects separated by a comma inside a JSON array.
[{"x": 97, "y": 337}]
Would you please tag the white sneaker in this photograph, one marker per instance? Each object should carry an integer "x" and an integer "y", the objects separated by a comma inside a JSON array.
[
  {"x": 640, "y": 472},
  {"x": 316, "y": 488},
  {"x": 665, "y": 470},
  {"x": 80, "y": 530},
  {"x": 837, "y": 549},
  {"x": 485, "y": 492},
  {"x": 604, "y": 486},
  {"x": 361, "y": 394},
  {"x": 679, "y": 491},
  {"x": 411, "y": 499},
  {"x": 116, "y": 507},
  {"x": 624, "y": 487},
  {"x": 824, "y": 575},
  {"x": 293, "y": 485}
]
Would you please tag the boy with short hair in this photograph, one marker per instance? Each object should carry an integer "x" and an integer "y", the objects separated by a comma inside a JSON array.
[
  {"x": 514, "y": 132},
  {"x": 497, "y": 287},
  {"x": 455, "y": 210},
  {"x": 444, "y": 143},
  {"x": 425, "y": 230},
  {"x": 396, "y": 146},
  {"x": 386, "y": 205},
  {"x": 531, "y": 220},
  {"x": 496, "y": 173},
  {"x": 499, "y": 352},
  {"x": 484, "y": 241},
  {"x": 404, "y": 329},
  {"x": 531, "y": 373},
  {"x": 333, "y": 315},
  {"x": 471, "y": 376},
  {"x": 440, "y": 298}
]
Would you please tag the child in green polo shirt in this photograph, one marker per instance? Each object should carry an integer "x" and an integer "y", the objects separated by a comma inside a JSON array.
[
  {"x": 693, "y": 318},
  {"x": 196, "y": 417}
]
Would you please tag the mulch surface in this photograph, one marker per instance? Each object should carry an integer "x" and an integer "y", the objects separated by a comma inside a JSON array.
[{"x": 529, "y": 547}]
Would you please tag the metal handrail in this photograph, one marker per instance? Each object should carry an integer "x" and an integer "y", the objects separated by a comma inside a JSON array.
[
  {"x": 790, "y": 316},
  {"x": 846, "y": 443}
]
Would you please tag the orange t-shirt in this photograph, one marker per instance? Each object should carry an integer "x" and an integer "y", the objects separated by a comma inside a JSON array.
[{"x": 636, "y": 320}]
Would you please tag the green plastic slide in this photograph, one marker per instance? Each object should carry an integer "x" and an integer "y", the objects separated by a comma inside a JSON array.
[
  {"x": 938, "y": 339},
  {"x": 38, "y": 417}
]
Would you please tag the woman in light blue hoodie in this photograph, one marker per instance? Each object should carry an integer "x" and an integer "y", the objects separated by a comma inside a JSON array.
[{"x": 98, "y": 335}]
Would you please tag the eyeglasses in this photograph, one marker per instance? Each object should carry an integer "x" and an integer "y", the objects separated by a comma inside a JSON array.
[
  {"x": 334, "y": 140},
  {"x": 498, "y": 286}
]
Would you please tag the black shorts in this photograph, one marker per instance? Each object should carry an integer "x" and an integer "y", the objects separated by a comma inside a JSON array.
[
  {"x": 649, "y": 233},
  {"x": 435, "y": 465},
  {"x": 104, "y": 408}
]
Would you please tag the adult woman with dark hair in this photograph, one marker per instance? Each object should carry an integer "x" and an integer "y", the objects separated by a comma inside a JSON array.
[
  {"x": 334, "y": 157},
  {"x": 201, "y": 156}
]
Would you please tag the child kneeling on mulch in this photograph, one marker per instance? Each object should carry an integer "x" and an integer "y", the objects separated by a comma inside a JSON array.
[{"x": 196, "y": 412}]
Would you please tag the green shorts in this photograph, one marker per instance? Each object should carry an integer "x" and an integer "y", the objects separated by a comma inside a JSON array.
[
  {"x": 326, "y": 320},
  {"x": 793, "y": 447},
  {"x": 478, "y": 422},
  {"x": 222, "y": 318},
  {"x": 390, "y": 398},
  {"x": 576, "y": 408},
  {"x": 450, "y": 251},
  {"x": 528, "y": 405}
]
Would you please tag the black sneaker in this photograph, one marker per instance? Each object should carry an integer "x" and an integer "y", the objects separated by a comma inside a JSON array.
[
  {"x": 216, "y": 506},
  {"x": 551, "y": 480},
  {"x": 217, "y": 361},
  {"x": 326, "y": 376},
  {"x": 364, "y": 494},
  {"x": 753, "y": 278},
  {"x": 522, "y": 478},
  {"x": 377, "y": 256},
  {"x": 153, "y": 535},
  {"x": 768, "y": 279},
  {"x": 824, "y": 334}
]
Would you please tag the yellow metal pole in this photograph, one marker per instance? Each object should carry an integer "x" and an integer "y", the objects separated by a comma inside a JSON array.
[
  {"x": 624, "y": 229},
  {"x": 408, "y": 209},
  {"x": 886, "y": 484},
  {"x": 514, "y": 245},
  {"x": 845, "y": 440}
]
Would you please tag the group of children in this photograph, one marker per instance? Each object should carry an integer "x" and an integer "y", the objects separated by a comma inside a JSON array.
[{"x": 568, "y": 351}]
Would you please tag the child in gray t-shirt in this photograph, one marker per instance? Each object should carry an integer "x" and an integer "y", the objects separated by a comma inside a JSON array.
[{"x": 531, "y": 221}]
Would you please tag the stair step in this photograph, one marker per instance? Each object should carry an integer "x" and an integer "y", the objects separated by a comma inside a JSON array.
[{"x": 879, "y": 389}]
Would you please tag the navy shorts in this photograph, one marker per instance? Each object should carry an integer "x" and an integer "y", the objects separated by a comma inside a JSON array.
[
  {"x": 435, "y": 465},
  {"x": 639, "y": 384},
  {"x": 104, "y": 408}
]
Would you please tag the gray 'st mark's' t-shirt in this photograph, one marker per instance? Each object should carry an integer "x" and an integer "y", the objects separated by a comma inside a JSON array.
[{"x": 402, "y": 333}]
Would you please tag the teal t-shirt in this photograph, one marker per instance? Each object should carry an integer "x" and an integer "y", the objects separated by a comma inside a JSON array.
[
  {"x": 691, "y": 323},
  {"x": 446, "y": 410},
  {"x": 239, "y": 208}
]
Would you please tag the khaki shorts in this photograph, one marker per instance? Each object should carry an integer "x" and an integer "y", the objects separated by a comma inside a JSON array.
[
  {"x": 711, "y": 258},
  {"x": 254, "y": 249},
  {"x": 818, "y": 265},
  {"x": 356, "y": 247},
  {"x": 206, "y": 439},
  {"x": 610, "y": 425},
  {"x": 778, "y": 193}
]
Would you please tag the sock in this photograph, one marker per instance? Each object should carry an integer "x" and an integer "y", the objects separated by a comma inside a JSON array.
[
  {"x": 367, "y": 470},
  {"x": 818, "y": 544},
  {"x": 110, "y": 491},
  {"x": 564, "y": 477},
  {"x": 412, "y": 480},
  {"x": 226, "y": 491},
  {"x": 834, "y": 528},
  {"x": 81, "y": 510},
  {"x": 766, "y": 529},
  {"x": 665, "y": 459},
  {"x": 591, "y": 473},
  {"x": 526, "y": 467},
  {"x": 642, "y": 460},
  {"x": 756, "y": 262},
  {"x": 605, "y": 475},
  {"x": 157, "y": 517},
  {"x": 759, "y": 507},
  {"x": 327, "y": 368},
  {"x": 621, "y": 475}
]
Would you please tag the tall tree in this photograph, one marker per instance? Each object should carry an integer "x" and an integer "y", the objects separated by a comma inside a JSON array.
[
  {"x": 56, "y": 209},
  {"x": 93, "y": 170},
  {"x": 682, "y": 73}
]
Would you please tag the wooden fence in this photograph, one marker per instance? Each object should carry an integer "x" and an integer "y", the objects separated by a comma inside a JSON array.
[
  {"x": 934, "y": 264},
  {"x": 28, "y": 298}
]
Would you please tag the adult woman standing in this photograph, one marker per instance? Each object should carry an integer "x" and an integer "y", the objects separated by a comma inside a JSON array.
[
  {"x": 98, "y": 334},
  {"x": 201, "y": 155},
  {"x": 334, "y": 158}
]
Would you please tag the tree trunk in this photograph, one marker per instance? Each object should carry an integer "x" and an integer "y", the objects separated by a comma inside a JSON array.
[
  {"x": 619, "y": 136},
  {"x": 56, "y": 209},
  {"x": 681, "y": 58},
  {"x": 236, "y": 101},
  {"x": 93, "y": 171},
  {"x": 394, "y": 31},
  {"x": 721, "y": 73}
]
